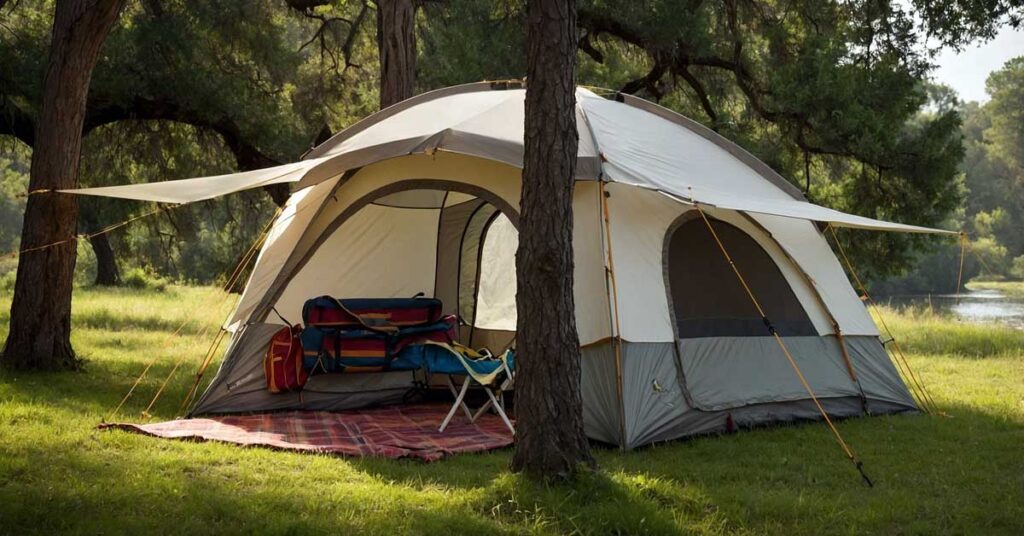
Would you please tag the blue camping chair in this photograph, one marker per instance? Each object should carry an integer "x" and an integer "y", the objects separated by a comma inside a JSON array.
[{"x": 495, "y": 375}]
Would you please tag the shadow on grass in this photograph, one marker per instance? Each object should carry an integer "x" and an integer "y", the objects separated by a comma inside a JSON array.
[
  {"x": 933, "y": 474},
  {"x": 929, "y": 472}
]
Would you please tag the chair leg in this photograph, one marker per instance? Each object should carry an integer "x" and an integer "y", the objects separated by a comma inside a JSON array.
[
  {"x": 455, "y": 393},
  {"x": 500, "y": 411},
  {"x": 481, "y": 410},
  {"x": 456, "y": 405}
]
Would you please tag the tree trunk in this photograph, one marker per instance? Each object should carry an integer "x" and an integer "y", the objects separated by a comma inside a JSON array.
[
  {"x": 107, "y": 272},
  {"x": 40, "y": 327},
  {"x": 550, "y": 441},
  {"x": 396, "y": 44}
]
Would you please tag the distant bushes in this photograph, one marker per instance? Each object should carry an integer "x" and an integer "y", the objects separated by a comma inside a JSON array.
[{"x": 140, "y": 278}]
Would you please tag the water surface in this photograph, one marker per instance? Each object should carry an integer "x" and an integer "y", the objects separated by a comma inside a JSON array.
[{"x": 981, "y": 306}]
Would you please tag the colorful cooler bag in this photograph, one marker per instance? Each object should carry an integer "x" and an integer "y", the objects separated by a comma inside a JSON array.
[
  {"x": 366, "y": 335},
  {"x": 283, "y": 362}
]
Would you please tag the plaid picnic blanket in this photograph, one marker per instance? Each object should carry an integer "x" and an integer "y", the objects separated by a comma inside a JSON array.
[{"x": 405, "y": 431}]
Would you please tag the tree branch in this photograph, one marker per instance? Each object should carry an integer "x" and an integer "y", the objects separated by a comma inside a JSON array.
[
  {"x": 588, "y": 47},
  {"x": 16, "y": 122},
  {"x": 247, "y": 156},
  {"x": 648, "y": 82},
  {"x": 684, "y": 72}
]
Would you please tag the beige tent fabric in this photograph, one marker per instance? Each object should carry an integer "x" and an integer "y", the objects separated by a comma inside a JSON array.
[
  {"x": 496, "y": 297},
  {"x": 802, "y": 241},
  {"x": 796, "y": 209},
  {"x": 301, "y": 209},
  {"x": 368, "y": 219},
  {"x": 191, "y": 190},
  {"x": 640, "y": 220}
]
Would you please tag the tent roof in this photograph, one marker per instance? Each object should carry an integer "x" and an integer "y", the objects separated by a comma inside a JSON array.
[{"x": 626, "y": 140}]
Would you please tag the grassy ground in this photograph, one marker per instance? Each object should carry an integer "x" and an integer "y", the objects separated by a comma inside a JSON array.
[{"x": 957, "y": 475}]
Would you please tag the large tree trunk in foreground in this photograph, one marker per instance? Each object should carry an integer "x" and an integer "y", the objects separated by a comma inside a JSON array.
[
  {"x": 396, "y": 43},
  {"x": 550, "y": 441},
  {"x": 40, "y": 326}
]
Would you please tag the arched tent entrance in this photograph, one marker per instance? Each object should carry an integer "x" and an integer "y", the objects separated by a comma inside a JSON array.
[
  {"x": 401, "y": 228},
  {"x": 727, "y": 356},
  {"x": 443, "y": 225},
  {"x": 445, "y": 239}
]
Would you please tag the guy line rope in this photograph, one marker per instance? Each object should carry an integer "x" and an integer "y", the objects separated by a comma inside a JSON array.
[
  {"x": 924, "y": 398},
  {"x": 859, "y": 465},
  {"x": 236, "y": 273}
]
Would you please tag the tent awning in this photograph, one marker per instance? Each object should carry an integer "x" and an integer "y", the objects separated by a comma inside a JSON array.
[
  {"x": 802, "y": 210},
  {"x": 626, "y": 140},
  {"x": 202, "y": 188}
]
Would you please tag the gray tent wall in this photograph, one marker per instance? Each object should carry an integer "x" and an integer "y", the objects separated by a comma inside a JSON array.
[{"x": 738, "y": 377}]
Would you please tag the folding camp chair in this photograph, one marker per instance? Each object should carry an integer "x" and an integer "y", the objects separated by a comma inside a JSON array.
[
  {"x": 495, "y": 375},
  {"x": 495, "y": 401}
]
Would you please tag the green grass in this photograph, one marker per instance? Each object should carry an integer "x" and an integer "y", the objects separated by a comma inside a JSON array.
[{"x": 958, "y": 475}]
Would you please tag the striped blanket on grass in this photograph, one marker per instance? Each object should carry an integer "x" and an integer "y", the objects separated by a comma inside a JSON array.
[{"x": 404, "y": 431}]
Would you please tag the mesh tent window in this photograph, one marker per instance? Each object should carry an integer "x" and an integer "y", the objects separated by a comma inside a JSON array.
[{"x": 708, "y": 301}]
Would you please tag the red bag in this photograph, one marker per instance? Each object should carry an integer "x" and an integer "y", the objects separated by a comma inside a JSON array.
[{"x": 283, "y": 362}]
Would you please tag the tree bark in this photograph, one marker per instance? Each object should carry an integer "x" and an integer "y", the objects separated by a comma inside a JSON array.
[
  {"x": 107, "y": 272},
  {"x": 550, "y": 442},
  {"x": 40, "y": 327},
  {"x": 396, "y": 44}
]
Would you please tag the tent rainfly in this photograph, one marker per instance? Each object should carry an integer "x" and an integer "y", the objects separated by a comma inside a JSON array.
[{"x": 424, "y": 197}]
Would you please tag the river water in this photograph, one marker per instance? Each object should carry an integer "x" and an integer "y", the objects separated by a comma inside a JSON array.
[{"x": 982, "y": 306}]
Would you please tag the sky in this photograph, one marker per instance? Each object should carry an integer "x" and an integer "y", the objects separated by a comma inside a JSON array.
[{"x": 967, "y": 70}]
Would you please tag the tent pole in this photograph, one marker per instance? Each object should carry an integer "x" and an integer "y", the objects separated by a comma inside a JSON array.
[
  {"x": 836, "y": 330},
  {"x": 613, "y": 303},
  {"x": 782, "y": 346},
  {"x": 916, "y": 386}
]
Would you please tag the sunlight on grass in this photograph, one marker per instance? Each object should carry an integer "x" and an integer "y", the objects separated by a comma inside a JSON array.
[
  {"x": 956, "y": 475},
  {"x": 919, "y": 329}
]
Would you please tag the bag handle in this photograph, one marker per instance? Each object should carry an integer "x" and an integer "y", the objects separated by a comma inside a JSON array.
[{"x": 386, "y": 329}]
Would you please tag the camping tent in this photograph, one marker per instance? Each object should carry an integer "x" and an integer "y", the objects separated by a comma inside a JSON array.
[{"x": 424, "y": 197}]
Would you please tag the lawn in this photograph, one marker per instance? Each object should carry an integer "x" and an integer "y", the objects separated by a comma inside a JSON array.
[{"x": 934, "y": 475}]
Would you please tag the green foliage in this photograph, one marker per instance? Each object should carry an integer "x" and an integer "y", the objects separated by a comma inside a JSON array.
[
  {"x": 14, "y": 166},
  {"x": 994, "y": 181},
  {"x": 467, "y": 41},
  {"x": 186, "y": 88},
  {"x": 933, "y": 475},
  {"x": 7, "y": 280},
  {"x": 830, "y": 94},
  {"x": 1017, "y": 267},
  {"x": 1006, "y": 113},
  {"x": 139, "y": 278}
]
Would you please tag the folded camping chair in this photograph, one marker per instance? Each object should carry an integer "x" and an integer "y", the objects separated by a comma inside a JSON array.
[{"x": 495, "y": 374}]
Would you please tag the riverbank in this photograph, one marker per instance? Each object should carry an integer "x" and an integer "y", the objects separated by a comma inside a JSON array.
[{"x": 961, "y": 474}]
